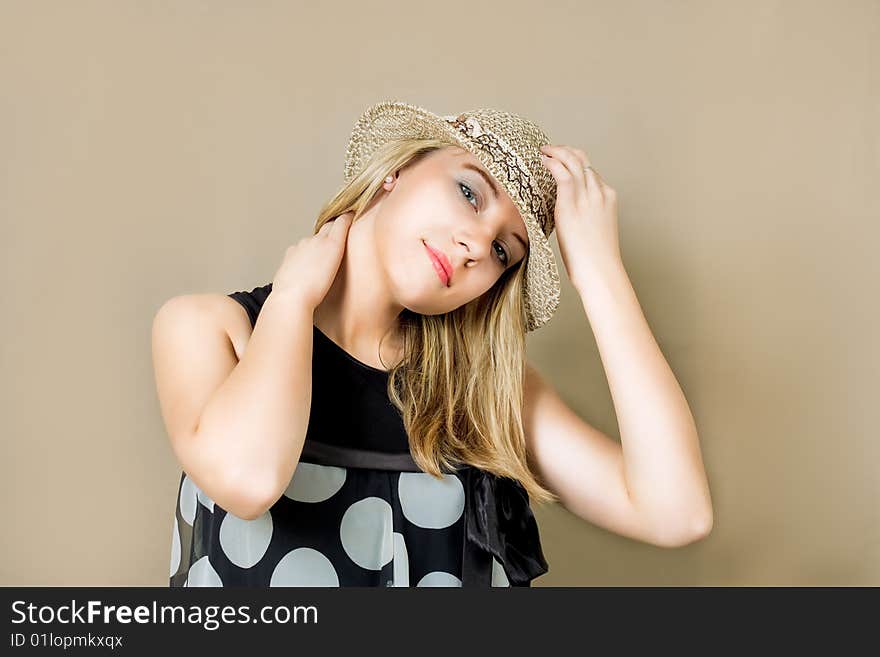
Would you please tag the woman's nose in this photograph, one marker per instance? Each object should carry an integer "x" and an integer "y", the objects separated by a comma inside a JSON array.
[{"x": 476, "y": 242}]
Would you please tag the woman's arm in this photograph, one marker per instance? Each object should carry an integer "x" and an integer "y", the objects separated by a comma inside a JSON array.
[
  {"x": 237, "y": 427},
  {"x": 662, "y": 463},
  {"x": 658, "y": 467},
  {"x": 651, "y": 488}
]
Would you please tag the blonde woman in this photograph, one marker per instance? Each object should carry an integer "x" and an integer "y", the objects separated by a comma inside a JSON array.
[{"x": 369, "y": 418}]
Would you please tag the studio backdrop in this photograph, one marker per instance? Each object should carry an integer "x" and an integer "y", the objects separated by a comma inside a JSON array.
[{"x": 150, "y": 150}]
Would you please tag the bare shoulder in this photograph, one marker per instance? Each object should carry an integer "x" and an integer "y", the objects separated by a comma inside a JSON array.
[{"x": 212, "y": 309}]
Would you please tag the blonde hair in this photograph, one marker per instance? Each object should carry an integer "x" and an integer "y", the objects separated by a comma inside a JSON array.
[{"x": 459, "y": 385}]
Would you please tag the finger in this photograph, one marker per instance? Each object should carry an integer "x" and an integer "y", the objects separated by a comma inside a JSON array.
[
  {"x": 593, "y": 184},
  {"x": 591, "y": 174},
  {"x": 565, "y": 184},
  {"x": 324, "y": 229},
  {"x": 341, "y": 223},
  {"x": 568, "y": 157},
  {"x": 582, "y": 157},
  {"x": 335, "y": 229},
  {"x": 572, "y": 165}
]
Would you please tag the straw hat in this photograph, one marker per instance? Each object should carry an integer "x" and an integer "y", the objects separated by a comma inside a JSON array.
[{"x": 507, "y": 146}]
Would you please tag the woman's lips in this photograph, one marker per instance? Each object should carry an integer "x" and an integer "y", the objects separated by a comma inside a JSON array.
[{"x": 443, "y": 269}]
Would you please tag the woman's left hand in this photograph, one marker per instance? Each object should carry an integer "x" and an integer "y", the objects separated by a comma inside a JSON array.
[{"x": 585, "y": 213}]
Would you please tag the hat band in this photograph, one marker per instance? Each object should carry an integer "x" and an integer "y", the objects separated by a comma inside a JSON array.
[{"x": 515, "y": 169}]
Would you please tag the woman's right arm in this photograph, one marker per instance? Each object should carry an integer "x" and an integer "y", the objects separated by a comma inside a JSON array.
[{"x": 237, "y": 427}]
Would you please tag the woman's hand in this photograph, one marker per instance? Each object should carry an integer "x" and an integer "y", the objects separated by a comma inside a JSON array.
[
  {"x": 310, "y": 266},
  {"x": 585, "y": 213}
]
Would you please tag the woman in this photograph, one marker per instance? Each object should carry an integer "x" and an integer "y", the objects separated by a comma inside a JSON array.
[{"x": 369, "y": 418}]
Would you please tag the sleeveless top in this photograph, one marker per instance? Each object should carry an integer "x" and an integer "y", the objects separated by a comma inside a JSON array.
[{"x": 358, "y": 511}]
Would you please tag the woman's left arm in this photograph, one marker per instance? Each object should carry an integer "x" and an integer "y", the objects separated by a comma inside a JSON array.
[{"x": 662, "y": 464}]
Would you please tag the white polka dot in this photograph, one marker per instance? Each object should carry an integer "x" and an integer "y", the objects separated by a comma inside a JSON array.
[
  {"x": 202, "y": 573},
  {"x": 430, "y": 502},
  {"x": 499, "y": 577},
  {"x": 315, "y": 483},
  {"x": 188, "y": 501},
  {"x": 304, "y": 567},
  {"x": 401, "y": 561},
  {"x": 245, "y": 541},
  {"x": 439, "y": 578},
  {"x": 366, "y": 533},
  {"x": 175, "y": 548}
]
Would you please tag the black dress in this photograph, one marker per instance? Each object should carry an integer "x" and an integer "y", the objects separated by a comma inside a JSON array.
[{"x": 358, "y": 510}]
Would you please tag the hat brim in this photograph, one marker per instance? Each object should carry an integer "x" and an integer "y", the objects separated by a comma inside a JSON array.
[{"x": 391, "y": 120}]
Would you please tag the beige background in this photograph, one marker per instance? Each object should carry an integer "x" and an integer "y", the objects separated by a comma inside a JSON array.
[{"x": 150, "y": 149}]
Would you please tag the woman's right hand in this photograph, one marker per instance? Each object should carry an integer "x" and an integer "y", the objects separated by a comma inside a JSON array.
[{"x": 310, "y": 266}]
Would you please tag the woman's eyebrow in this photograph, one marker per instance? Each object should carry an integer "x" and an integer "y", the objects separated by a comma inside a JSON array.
[{"x": 486, "y": 177}]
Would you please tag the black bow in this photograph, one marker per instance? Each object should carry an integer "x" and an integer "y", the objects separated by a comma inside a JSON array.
[{"x": 499, "y": 521}]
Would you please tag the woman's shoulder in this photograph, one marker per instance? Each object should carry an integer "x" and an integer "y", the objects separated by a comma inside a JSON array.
[{"x": 239, "y": 311}]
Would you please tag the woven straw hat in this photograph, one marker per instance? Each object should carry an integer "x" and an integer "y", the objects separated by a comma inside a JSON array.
[{"x": 507, "y": 146}]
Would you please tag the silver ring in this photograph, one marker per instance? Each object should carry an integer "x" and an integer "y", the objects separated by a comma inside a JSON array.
[{"x": 590, "y": 167}]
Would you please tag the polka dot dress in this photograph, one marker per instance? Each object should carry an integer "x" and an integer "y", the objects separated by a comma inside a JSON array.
[{"x": 333, "y": 526}]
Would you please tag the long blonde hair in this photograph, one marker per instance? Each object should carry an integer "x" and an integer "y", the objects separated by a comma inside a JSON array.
[{"x": 459, "y": 385}]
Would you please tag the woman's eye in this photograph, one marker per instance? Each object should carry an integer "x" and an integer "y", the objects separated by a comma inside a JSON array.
[
  {"x": 502, "y": 254},
  {"x": 472, "y": 196}
]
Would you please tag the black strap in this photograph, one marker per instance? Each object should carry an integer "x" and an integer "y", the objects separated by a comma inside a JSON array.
[{"x": 329, "y": 454}]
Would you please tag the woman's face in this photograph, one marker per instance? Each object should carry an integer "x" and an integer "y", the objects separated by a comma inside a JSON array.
[{"x": 443, "y": 202}]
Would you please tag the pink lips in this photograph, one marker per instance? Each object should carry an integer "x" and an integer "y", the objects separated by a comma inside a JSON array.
[{"x": 441, "y": 264}]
